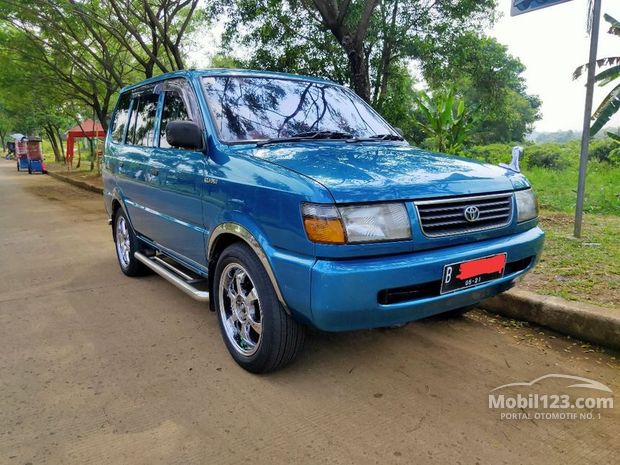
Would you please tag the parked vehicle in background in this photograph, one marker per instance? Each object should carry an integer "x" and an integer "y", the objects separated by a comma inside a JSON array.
[
  {"x": 21, "y": 154},
  {"x": 286, "y": 202},
  {"x": 34, "y": 155}
]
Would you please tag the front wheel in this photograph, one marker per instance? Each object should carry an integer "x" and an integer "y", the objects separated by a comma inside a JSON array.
[{"x": 256, "y": 329}]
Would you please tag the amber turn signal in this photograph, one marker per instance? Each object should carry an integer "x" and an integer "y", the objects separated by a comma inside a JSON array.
[
  {"x": 328, "y": 231},
  {"x": 323, "y": 224}
]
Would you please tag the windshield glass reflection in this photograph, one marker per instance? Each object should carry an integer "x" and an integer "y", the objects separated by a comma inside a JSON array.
[{"x": 256, "y": 108}]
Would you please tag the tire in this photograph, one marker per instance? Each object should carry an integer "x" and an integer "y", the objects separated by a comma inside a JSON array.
[
  {"x": 18, "y": 167},
  {"x": 126, "y": 244},
  {"x": 29, "y": 170},
  {"x": 260, "y": 336}
]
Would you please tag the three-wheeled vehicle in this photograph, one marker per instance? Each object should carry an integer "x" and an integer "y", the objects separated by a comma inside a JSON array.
[
  {"x": 21, "y": 154},
  {"x": 35, "y": 157}
]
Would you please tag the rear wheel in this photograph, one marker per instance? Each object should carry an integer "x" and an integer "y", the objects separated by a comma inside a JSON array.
[
  {"x": 256, "y": 329},
  {"x": 127, "y": 245}
]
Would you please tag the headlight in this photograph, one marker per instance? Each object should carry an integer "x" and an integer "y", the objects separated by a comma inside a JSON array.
[
  {"x": 357, "y": 223},
  {"x": 527, "y": 205}
]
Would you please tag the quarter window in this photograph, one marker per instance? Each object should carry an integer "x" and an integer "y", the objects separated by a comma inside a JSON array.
[
  {"x": 174, "y": 109},
  {"x": 121, "y": 117},
  {"x": 142, "y": 129}
]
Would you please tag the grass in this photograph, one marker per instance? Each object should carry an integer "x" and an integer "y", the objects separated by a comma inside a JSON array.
[
  {"x": 586, "y": 269},
  {"x": 557, "y": 190},
  {"x": 52, "y": 165}
]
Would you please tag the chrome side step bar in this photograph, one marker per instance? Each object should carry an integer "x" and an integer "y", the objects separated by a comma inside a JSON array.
[{"x": 173, "y": 276}]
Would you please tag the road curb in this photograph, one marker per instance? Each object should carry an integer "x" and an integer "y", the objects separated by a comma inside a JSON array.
[
  {"x": 583, "y": 321},
  {"x": 77, "y": 183}
]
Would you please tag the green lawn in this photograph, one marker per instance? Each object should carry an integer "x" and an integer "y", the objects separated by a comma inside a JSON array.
[
  {"x": 557, "y": 190},
  {"x": 586, "y": 269}
]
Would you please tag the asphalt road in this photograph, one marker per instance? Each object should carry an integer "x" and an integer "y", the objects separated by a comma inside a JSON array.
[{"x": 99, "y": 368}]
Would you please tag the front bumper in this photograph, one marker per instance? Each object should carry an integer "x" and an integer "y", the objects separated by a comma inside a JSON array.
[{"x": 345, "y": 294}]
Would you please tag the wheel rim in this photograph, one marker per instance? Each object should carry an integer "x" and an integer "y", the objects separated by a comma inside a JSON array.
[
  {"x": 240, "y": 309},
  {"x": 123, "y": 244}
]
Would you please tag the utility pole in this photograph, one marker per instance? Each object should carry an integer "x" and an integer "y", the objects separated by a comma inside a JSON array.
[{"x": 587, "y": 117}]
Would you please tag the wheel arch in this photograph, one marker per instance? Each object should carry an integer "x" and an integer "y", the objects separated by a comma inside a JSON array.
[
  {"x": 116, "y": 203},
  {"x": 227, "y": 234}
]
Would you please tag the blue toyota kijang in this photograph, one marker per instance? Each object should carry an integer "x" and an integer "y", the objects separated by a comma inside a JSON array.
[{"x": 286, "y": 202}]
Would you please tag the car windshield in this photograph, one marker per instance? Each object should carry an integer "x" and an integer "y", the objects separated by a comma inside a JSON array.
[{"x": 246, "y": 109}]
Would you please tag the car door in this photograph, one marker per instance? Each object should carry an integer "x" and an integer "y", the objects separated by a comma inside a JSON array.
[
  {"x": 132, "y": 164},
  {"x": 179, "y": 173}
]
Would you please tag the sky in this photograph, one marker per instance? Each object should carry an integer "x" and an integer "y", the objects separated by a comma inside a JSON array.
[{"x": 551, "y": 43}]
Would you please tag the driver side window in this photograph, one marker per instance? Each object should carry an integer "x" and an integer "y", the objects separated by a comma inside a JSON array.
[{"x": 174, "y": 109}]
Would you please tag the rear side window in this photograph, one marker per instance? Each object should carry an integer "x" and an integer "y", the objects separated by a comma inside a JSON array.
[
  {"x": 174, "y": 109},
  {"x": 121, "y": 118},
  {"x": 142, "y": 129}
]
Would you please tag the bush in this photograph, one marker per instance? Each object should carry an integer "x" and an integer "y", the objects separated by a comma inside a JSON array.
[
  {"x": 492, "y": 153},
  {"x": 600, "y": 151},
  {"x": 550, "y": 156}
]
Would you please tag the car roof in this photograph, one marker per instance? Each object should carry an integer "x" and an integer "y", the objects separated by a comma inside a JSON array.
[{"x": 189, "y": 73}]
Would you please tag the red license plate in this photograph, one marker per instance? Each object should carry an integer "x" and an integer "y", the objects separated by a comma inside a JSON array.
[{"x": 471, "y": 273}]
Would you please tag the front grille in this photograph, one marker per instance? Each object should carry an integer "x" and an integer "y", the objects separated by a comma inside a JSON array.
[{"x": 447, "y": 217}]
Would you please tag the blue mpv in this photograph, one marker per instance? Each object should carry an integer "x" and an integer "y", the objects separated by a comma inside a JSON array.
[{"x": 287, "y": 202}]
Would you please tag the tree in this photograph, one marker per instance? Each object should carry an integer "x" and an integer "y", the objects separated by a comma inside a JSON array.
[
  {"x": 33, "y": 103},
  {"x": 446, "y": 122},
  {"x": 352, "y": 42},
  {"x": 491, "y": 80},
  {"x": 611, "y": 103},
  {"x": 6, "y": 126},
  {"x": 95, "y": 47}
]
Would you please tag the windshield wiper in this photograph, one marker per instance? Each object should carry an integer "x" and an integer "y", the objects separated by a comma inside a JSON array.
[
  {"x": 324, "y": 135},
  {"x": 303, "y": 136},
  {"x": 377, "y": 137}
]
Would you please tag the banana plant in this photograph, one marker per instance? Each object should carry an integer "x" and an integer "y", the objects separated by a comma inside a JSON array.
[
  {"x": 611, "y": 103},
  {"x": 615, "y": 152},
  {"x": 445, "y": 120}
]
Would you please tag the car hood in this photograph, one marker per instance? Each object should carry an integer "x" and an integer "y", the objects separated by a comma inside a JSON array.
[{"x": 363, "y": 172}]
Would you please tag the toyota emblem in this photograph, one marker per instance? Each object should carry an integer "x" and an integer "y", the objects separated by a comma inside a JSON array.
[{"x": 471, "y": 213}]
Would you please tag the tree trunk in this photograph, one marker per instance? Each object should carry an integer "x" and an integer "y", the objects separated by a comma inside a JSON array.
[
  {"x": 334, "y": 17},
  {"x": 62, "y": 146},
  {"x": 358, "y": 65},
  {"x": 54, "y": 143},
  {"x": 92, "y": 153}
]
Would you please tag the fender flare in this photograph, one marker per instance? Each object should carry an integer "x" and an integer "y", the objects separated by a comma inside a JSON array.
[
  {"x": 247, "y": 237},
  {"x": 117, "y": 197}
]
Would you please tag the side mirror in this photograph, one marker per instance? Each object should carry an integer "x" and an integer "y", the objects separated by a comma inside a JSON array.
[
  {"x": 184, "y": 134},
  {"x": 517, "y": 152}
]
